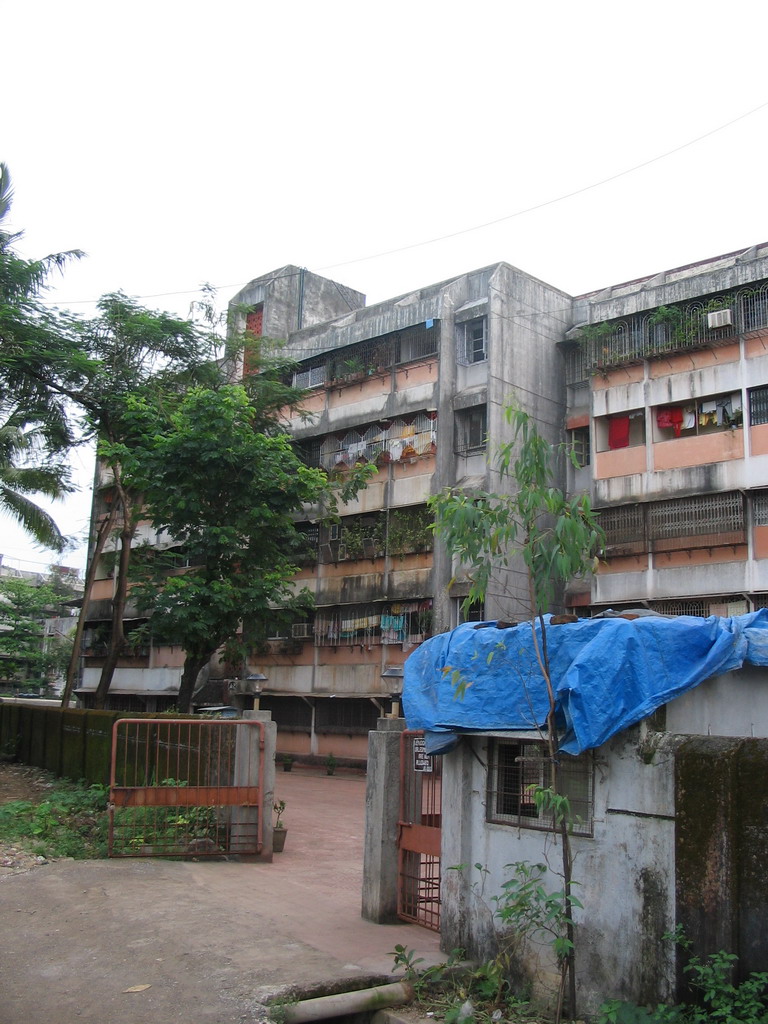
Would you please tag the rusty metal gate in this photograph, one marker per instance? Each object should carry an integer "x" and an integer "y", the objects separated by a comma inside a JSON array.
[
  {"x": 418, "y": 888},
  {"x": 181, "y": 787}
]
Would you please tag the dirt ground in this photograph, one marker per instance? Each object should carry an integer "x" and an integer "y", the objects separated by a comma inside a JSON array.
[
  {"x": 154, "y": 942},
  {"x": 21, "y": 782}
]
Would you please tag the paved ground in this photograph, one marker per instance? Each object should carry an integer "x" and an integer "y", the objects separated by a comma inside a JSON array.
[{"x": 212, "y": 940}]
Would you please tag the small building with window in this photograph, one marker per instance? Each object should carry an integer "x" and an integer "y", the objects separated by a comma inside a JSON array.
[{"x": 663, "y": 758}]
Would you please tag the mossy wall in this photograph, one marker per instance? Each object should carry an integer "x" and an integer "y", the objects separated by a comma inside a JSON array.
[
  {"x": 721, "y": 834},
  {"x": 70, "y": 743}
]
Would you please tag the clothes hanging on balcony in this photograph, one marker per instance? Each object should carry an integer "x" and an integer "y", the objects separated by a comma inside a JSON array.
[
  {"x": 671, "y": 416},
  {"x": 618, "y": 432},
  {"x": 689, "y": 417}
]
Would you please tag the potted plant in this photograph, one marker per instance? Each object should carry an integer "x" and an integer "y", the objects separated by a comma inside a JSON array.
[
  {"x": 279, "y": 831},
  {"x": 330, "y": 764},
  {"x": 287, "y": 762}
]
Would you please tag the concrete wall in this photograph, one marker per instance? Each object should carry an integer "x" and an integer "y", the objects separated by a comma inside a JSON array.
[{"x": 625, "y": 872}]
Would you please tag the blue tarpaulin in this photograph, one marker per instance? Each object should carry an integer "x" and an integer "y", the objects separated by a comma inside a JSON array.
[{"x": 607, "y": 673}]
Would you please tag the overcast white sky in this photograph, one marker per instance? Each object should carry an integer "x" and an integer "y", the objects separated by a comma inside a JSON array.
[{"x": 179, "y": 141}]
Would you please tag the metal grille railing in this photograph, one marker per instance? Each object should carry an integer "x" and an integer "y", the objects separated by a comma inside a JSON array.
[
  {"x": 622, "y": 525},
  {"x": 418, "y": 891},
  {"x": 386, "y": 441},
  {"x": 703, "y": 514},
  {"x": 373, "y": 624},
  {"x": 516, "y": 768},
  {"x": 370, "y": 357},
  {"x": 183, "y": 787},
  {"x": 666, "y": 330}
]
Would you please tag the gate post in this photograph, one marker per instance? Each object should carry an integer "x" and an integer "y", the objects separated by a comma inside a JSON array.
[
  {"x": 266, "y": 768},
  {"x": 382, "y": 813}
]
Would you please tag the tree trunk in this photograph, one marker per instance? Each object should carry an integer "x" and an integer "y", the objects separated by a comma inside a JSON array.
[
  {"x": 105, "y": 528},
  {"x": 119, "y": 601},
  {"x": 194, "y": 663}
]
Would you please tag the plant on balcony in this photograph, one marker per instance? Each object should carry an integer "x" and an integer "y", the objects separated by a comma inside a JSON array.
[{"x": 409, "y": 530}]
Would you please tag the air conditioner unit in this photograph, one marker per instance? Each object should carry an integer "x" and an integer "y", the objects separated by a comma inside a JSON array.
[
  {"x": 301, "y": 630},
  {"x": 719, "y": 318}
]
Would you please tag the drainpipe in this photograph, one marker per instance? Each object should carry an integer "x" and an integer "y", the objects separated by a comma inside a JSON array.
[
  {"x": 300, "y": 312},
  {"x": 362, "y": 1001}
]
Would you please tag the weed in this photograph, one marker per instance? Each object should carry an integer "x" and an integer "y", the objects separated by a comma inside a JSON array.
[
  {"x": 718, "y": 998},
  {"x": 71, "y": 822}
]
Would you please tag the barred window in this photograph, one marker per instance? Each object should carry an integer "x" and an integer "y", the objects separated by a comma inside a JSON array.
[
  {"x": 703, "y": 514},
  {"x": 345, "y": 715},
  {"x": 622, "y": 525},
  {"x": 758, "y": 405},
  {"x": 292, "y": 714},
  {"x": 471, "y": 430},
  {"x": 760, "y": 508},
  {"x": 472, "y": 341},
  {"x": 312, "y": 377},
  {"x": 515, "y": 767},
  {"x": 418, "y": 342},
  {"x": 580, "y": 446}
]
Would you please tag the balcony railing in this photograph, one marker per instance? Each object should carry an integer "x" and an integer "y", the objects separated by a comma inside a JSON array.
[{"x": 702, "y": 323}]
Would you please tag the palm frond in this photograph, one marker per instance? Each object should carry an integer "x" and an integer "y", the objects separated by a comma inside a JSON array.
[{"x": 32, "y": 518}]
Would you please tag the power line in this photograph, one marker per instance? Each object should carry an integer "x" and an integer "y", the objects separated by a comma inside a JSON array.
[{"x": 485, "y": 224}]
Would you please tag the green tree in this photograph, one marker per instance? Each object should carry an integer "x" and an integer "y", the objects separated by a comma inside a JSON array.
[
  {"x": 224, "y": 480},
  {"x": 24, "y": 653},
  {"x": 28, "y": 467},
  {"x": 34, "y": 427},
  {"x": 558, "y": 539}
]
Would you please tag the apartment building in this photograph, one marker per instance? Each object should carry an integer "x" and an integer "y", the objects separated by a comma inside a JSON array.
[
  {"x": 660, "y": 386},
  {"x": 667, "y": 411},
  {"x": 417, "y": 386}
]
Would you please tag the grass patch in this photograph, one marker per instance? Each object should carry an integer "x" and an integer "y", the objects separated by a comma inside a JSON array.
[{"x": 70, "y": 822}]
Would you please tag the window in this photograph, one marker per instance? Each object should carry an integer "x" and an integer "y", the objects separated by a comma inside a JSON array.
[
  {"x": 703, "y": 416},
  {"x": 345, "y": 715},
  {"x": 515, "y": 766},
  {"x": 580, "y": 446},
  {"x": 473, "y": 341},
  {"x": 471, "y": 430},
  {"x": 624, "y": 430},
  {"x": 758, "y": 405},
  {"x": 313, "y": 377},
  {"x": 475, "y": 612}
]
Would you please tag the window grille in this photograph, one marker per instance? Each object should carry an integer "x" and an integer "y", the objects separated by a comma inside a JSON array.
[
  {"x": 685, "y": 326},
  {"x": 760, "y": 508},
  {"x": 580, "y": 446},
  {"x": 759, "y": 601},
  {"x": 312, "y": 377},
  {"x": 752, "y": 304},
  {"x": 758, "y": 405},
  {"x": 373, "y": 624},
  {"x": 703, "y": 514},
  {"x": 345, "y": 715},
  {"x": 577, "y": 364},
  {"x": 472, "y": 338},
  {"x": 622, "y": 525},
  {"x": 471, "y": 427},
  {"x": 292, "y": 714},
  {"x": 516, "y": 766},
  {"x": 693, "y": 607},
  {"x": 386, "y": 441},
  {"x": 417, "y": 342}
]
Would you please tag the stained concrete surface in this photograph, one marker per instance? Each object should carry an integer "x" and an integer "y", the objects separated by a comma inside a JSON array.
[{"x": 213, "y": 940}]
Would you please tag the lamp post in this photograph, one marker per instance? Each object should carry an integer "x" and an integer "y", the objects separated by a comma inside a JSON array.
[{"x": 391, "y": 673}]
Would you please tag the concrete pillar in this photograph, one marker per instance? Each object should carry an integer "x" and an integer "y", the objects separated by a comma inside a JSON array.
[
  {"x": 382, "y": 813},
  {"x": 247, "y": 763}
]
